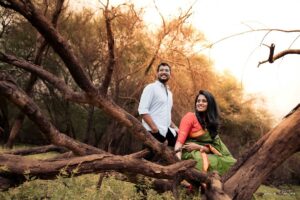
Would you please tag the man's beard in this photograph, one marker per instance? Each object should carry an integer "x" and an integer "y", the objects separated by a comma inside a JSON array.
[{"x": 163, "y": 80}]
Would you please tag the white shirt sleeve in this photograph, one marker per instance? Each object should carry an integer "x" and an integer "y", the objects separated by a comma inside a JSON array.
[{"x": 146, "y": 99}]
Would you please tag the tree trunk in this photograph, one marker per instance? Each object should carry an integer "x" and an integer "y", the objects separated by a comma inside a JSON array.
[
  {"x": 90, "y": 123},
  {"x": 15, "y": 130},
  {"x": 4, "y": 124},
  {"x": 17, "y": 166},
  {"x": 264, "y": 157}
]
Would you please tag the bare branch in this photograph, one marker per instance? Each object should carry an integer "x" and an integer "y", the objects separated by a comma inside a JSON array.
[
  {"x": 280, "y": 55},
  {"x": 249, "y": 31},
  {"x": 108, "y": 15}
]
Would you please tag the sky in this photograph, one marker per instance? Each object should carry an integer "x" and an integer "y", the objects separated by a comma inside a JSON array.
[{"x": 278, "y": 83}]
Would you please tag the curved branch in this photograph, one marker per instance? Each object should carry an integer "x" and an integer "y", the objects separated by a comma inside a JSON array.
[
  {"x": 249, "y": 31},
  {"x": 280, "y": 55}
]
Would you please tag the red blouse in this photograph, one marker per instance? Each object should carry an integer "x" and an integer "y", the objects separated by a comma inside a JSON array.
[{"x": 189, "y": 126}]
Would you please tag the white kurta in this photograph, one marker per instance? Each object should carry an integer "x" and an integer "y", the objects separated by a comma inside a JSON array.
[{"x": 157, "y": 101}]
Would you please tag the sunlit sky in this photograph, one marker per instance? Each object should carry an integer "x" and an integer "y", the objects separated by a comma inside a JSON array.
[{"x": 279, "y": 82}]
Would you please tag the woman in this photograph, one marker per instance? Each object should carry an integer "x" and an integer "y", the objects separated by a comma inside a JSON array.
[{"x": 199, "y": 139}]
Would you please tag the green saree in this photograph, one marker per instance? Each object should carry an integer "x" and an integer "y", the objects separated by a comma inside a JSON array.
[{"x": 220, "y": 163}]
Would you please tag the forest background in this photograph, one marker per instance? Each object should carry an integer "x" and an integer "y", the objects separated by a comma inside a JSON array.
[{"x": 137, "y": 52}]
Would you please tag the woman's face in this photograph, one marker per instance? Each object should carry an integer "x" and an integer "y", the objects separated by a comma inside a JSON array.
[{"x": 201, "y": 104}]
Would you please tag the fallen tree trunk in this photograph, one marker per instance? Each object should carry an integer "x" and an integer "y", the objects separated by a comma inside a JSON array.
[
  {"x": 15, "y": 167},
  {"x": 264, "y": 157}
]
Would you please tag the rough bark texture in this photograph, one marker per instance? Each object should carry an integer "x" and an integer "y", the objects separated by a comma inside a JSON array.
[
  {"x": 268, "y": 153},
  {"x": 14, "y": 166}
]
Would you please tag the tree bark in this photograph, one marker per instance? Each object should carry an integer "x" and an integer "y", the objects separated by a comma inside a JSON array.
[
  {"x": 18, "y": 166},
  {"x": 89, "y": 127},
  {"x": 4, "y": 124},
  {"x": 264, "y": 157}
]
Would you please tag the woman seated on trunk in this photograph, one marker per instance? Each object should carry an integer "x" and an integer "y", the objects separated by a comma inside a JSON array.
[{"x": 198, "y": 137}]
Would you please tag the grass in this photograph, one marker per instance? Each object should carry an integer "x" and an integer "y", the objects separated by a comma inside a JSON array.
[
  {"x": 283, "y": 192},
  {"x": 84, "y": 188}
]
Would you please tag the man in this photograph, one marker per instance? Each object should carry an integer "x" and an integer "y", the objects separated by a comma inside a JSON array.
[{"x": 156, "y": 105}]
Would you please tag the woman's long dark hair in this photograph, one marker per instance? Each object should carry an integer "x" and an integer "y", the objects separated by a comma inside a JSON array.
[{"x": 209, "y": 119}]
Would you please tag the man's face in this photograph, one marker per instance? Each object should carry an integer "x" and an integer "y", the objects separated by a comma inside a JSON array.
[{"x": 163, "y": 74}]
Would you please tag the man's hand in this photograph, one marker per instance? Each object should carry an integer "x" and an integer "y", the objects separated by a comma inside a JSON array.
[
  {"x": 148, "y": 119},
  {"x": 173, "y": 125},
  {"x": 154, "y": 130}
]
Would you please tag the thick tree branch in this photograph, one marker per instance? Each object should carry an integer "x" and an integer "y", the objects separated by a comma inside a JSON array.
[
  {"x": 89, "y": 164},
  {"x": 269, "y": 152}
]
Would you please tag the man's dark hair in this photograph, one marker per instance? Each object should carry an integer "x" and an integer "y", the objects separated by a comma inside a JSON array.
[{"x": 163, "y": 64}]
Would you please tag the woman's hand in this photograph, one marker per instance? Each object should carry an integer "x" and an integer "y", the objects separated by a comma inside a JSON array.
[{"x": 190, "y": 146}]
